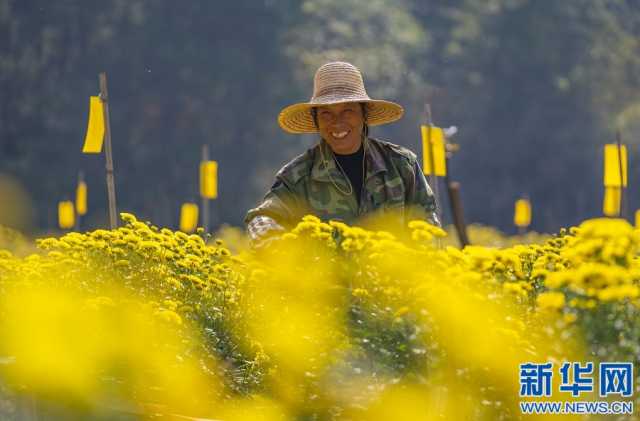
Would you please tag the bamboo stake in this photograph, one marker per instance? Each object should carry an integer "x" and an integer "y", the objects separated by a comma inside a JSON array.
[
  {"x": 456, "y": 209},
  {"x": 111, "y": 188},
  {"x": 205, "y": 200},
  {"x": 622, "y": 211},
  {"x": 78, "y": 216},
  {"x": 433, "y": 180},
  {"x": 453, "y": 188}
]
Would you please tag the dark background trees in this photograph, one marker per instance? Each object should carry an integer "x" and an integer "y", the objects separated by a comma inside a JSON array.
[{"x": 535, "y": 87}]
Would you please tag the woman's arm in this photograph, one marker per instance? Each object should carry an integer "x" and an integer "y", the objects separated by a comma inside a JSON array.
[{"x": 273, "y": 215}]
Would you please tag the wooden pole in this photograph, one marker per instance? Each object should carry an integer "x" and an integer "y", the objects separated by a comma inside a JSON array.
[
  {"x": 433, "y": 180},
  {"x": 453, "y": 188},
  {"x": 622, "y": 211},
  {"x": 78, "y": 216},
  {"x": 456, "y": 209},
  {"x": 111, "y": 187},
  {"x": 205, "y": 200}
]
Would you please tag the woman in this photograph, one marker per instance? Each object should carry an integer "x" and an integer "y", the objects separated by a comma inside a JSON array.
[{"x": 348, "y": 174}]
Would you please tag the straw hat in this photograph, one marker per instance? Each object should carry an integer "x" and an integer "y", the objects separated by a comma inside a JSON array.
[{"x": 334, "y": 83}]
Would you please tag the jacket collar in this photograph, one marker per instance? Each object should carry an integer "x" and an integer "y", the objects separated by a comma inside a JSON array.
[{"x": 324, "y": 166}]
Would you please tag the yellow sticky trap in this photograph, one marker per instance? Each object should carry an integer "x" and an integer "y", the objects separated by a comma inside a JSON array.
[
  {"x": 81, "y": 198},
  {"x": 95, "y": 129},
  {"x": 612, "y": 165},
  {"x": 209, "y": 179},
  {"x": 188, "y": 217},
  {"x": 437, "y": 148},
  {"x": 611, "y": 203},
  {"x": 522, "y": 214},
  {"x": 66, "y": 216}
]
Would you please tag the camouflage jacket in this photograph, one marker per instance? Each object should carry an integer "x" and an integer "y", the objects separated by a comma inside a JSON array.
[{"x": 393, "y": 181}]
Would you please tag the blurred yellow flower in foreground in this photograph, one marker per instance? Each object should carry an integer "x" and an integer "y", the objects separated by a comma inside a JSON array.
[{"x": 329, "y": 322}]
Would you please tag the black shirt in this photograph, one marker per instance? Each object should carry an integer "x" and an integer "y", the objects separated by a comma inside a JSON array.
[{"x": 352, "y": 166}]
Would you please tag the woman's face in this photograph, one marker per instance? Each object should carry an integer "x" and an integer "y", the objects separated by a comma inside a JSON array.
[{"x": 341, "y": 126}]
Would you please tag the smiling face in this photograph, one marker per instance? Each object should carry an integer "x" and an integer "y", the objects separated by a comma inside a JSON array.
[{"x": 341, "y": 126}]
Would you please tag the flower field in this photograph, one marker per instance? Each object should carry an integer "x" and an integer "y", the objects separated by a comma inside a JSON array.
[{"x": 329, "y": 322}]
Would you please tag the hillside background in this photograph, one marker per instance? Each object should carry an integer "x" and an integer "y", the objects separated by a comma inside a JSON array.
[{"x": 535, "y": 88}]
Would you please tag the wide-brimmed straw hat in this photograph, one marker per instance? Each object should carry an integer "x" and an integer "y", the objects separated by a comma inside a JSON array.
[{"x": 337, "y": 82}]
